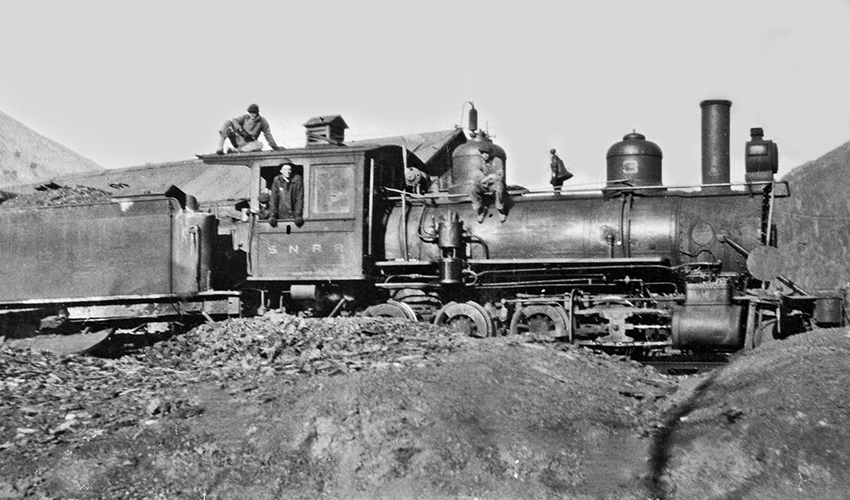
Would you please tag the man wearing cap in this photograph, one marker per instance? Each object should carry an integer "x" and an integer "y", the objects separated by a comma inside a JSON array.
[
  {"x": 243, "y": 132},
  {"x": 287, "y": 196},
  {"x": 559, "y": 172},
  {"x": 492, "y": 180},
  {"x": 265, "y": 211}
]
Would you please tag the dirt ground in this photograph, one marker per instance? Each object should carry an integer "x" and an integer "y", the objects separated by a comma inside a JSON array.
[{"x": 285, "y": 407}]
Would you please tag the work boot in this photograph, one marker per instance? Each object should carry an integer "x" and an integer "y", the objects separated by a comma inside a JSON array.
[{"x": 219, "y": 152}]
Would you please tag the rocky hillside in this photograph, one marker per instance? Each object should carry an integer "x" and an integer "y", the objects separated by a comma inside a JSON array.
[
  {"x": 813, "y": 222},
  {"x": 27, "y": 157}
]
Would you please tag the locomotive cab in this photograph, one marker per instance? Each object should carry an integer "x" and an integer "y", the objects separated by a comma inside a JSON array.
[{"x": 330, "y": 257}]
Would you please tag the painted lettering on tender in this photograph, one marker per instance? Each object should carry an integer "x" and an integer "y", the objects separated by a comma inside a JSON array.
[{"x": 314, "y": 248}]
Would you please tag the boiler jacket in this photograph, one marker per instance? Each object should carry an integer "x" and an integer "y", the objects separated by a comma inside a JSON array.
[{"x": 287, "y": 198}]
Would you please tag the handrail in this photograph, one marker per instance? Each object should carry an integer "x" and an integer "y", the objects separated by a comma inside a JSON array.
[{"x": 746, "y": 188}]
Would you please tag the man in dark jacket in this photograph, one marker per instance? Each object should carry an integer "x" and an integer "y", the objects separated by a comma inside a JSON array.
[
  {"x": 243, "y": 132},
  {"x": 490, "y": 179},
  {"x": 287, "y": 196},
  {"x": 559, "y": 172}
]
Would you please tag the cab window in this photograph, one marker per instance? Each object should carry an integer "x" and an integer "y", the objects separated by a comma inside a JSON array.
[{"x": 332, "y": 193}]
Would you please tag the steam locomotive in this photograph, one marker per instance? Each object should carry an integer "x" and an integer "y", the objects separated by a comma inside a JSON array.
[{"x": 635, "y": 265}]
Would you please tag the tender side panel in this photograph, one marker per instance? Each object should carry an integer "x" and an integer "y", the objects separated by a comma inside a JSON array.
[{"x": 120, "y": 248}]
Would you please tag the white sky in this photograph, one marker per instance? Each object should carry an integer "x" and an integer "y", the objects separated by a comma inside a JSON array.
[{"x": 127, "y": 83}]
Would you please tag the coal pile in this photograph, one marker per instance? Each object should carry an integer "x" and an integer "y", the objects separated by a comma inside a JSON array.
[
  {"x": 289, "y": 345},
  {"x": 64, "y": 195},
  {"x": 47, "y": 400}
]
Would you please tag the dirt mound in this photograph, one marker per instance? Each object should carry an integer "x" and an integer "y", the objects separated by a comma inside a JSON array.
[
  {"x": 286, "y": 407},
  {"x": 773, "y": 424},
  {"x": 499, "y": 420}
]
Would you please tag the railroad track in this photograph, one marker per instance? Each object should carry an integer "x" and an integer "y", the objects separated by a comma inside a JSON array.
[{"x": 685, "y": 365}]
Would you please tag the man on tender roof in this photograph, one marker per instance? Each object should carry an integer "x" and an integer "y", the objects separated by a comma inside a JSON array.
[{"x": 244, "y": 132}]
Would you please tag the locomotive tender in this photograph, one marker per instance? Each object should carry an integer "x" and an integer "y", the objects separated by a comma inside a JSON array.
[
  {"x": 128, "y": 261},
  {"x": 634, "y": 265}
]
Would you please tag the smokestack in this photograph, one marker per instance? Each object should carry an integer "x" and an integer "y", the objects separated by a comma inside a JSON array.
[{"x": 715, "y": 141}]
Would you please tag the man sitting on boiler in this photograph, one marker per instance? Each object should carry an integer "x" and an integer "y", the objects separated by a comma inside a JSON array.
[{"x": 492, "y": 180}]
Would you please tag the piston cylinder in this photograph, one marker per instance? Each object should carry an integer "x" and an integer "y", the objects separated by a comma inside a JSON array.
[
  {"x": 708, "y": 320},
  {"x": 715, "y": 327},
  {"x": 634, "y": 161}
]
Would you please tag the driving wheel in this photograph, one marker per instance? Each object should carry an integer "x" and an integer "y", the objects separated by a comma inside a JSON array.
[
  {"x": 545, "y": 320},
  {"x": 391, "y": 309},
  {"x": 469, "y": 318}
]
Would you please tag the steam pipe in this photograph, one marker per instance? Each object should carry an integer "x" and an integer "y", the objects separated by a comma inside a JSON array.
[
  {"x": 477, "y": 239},
  {"x": 404, "y": 230},
  {"x": 371, "y": 202}
]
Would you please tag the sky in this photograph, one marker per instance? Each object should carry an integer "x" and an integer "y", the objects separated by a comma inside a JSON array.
[{"x": 130, "y": 83}]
